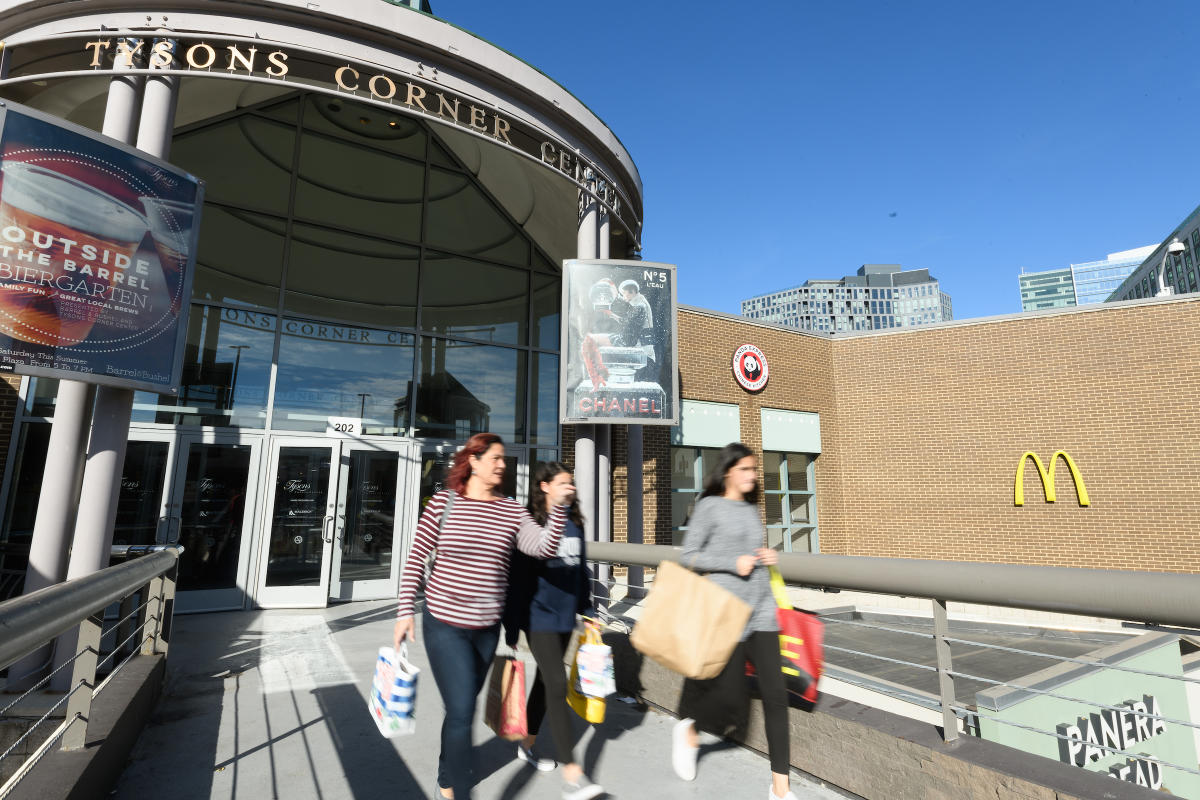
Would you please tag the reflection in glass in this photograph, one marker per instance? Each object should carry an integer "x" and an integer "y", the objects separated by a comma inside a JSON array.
[
  {"x": 353, "y": 278},
  {"x": 468, "y": 388},
  {"x": 774, "y": 508},
  {"x": 546, "y": 296},
  {"x": 683, "y": 468},
  {"x": 343, "y": 371},
  {"x": 461, "y": 297},
  {"x": 43, "y": 393},
  {"x": 142, "y": 477},
  {"x": 214, "y": 504},
  {"x": 463, "y": 219},
  {"x": 545, "y": 399},
  {"x": 298, "y": 518},
  {"x": 226, "y": 373},
  {"x": 797, "y": 472},
  {"x": 370, "y": 516},
  {"x": 435, "y": 466},
  {"x": 772, "y": 469},
  {"x": 344, "y": 185},
  {"x": 246, "y": 274},
  {"x": 246, "y": 161},
  {"x": 22, "y": 507},
  {"x": 381, "y": 129}
]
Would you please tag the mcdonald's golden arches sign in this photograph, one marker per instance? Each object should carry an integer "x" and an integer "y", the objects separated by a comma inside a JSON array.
[{"x": 1047, "y": 477}]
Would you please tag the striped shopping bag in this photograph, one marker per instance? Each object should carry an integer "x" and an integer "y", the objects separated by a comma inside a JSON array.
[{"x": 393, "y": 700}]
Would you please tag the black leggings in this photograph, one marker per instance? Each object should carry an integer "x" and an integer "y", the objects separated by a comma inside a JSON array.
[
  {"x": 548, "y": 698},
  {"x": 722, "y": 704}
]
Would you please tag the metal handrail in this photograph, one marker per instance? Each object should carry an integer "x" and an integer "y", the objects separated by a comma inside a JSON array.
[
  {"x": 1159, "y": 598},
  {"x": 31, "y": 620}
]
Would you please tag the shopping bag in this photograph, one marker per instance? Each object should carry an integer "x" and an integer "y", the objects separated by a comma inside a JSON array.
[
  {"x": 801, "y": 635},
  {"x": 505, "y": 709},
  {"x": 594, "y": 664},
  {"x": 689, "y": 624},
  {"x": 592, "y": 709},
  {"x": 393, "y": 699}
]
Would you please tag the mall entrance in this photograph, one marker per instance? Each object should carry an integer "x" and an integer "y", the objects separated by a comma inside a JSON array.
[{"x": 272, "y": 520}]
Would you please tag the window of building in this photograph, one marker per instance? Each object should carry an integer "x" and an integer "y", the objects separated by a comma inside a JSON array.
[
  {"x": 689, "y": 465},
  {"x": 790, "y": 501}
]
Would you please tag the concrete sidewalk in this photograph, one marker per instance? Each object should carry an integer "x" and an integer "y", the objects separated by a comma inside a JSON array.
[{"x": 271, "y": 704}]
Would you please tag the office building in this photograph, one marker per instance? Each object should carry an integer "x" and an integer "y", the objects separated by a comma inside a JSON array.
[
  {"x": 878, "y": 297},
  {"x": 1169, "y": 268},
  {"x": 1079, "y": 284}
]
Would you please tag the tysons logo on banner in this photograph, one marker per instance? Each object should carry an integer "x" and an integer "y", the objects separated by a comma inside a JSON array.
[{"x": 750, "y": 368}]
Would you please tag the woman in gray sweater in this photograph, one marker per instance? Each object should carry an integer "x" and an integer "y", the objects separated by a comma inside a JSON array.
[{"x": 725, "y": 540}]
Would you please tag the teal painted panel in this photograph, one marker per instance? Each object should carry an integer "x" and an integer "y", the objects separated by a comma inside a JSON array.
[
  {"x": 791, "y": 431},
  {"x": 704, "y": 424},
  {"x": 1166, "y": 741}
]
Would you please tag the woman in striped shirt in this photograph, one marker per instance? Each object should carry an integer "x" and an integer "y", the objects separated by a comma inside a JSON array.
[{"x": 464, "y": 595}]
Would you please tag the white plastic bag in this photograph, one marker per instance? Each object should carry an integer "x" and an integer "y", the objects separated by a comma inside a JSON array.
[
  {"x": 393, "y": 701},
  {"x": 594, "y": 663}
]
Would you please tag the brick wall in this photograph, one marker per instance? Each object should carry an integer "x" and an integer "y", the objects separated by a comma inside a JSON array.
[{"x": 922, "y": 431}]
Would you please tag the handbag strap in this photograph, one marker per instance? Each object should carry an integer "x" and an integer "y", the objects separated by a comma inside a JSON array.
[
  {"x": 450, "y": 494},
  {"x": 779, "y": 588}
]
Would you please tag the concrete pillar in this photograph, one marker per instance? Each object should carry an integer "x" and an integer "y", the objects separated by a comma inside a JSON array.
[
  {"x": 110, "y": 424},
  {"x": 603, "y": 432},
  {"x": 587, "y": 246}
]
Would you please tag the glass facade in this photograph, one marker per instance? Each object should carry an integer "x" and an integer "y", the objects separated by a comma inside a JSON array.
[
  {"x": 1176, "y": 272},
  {"x": 1079, "y": 284},
  {"x": 1050, "y": 289}
]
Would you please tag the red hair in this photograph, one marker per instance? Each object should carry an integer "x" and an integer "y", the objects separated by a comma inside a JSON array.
[{"x": 476, "y": 446}]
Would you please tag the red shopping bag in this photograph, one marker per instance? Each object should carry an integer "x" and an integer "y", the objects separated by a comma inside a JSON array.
[
  {"x": 505, "y": 709},
  {"x": 800, "y": 643}
]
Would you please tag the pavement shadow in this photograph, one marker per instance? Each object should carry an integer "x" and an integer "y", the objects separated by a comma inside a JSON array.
[{"x": 372, "y": 767}]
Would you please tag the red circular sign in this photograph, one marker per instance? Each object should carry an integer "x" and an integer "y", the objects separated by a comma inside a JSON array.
[{"x": 750, "y": 368}]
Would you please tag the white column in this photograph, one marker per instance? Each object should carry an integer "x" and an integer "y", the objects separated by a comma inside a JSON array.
[
  {"x": 634, "y": 535},
  {"x": 603, "y": 432},
  {"x": 586, "y": 246}
]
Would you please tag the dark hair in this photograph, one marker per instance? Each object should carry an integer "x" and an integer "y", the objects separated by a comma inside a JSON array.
[
  {"x": 714, "y": 482},
  {"x": 460, "y": 470},
  {"x": 545, "y": 472}
]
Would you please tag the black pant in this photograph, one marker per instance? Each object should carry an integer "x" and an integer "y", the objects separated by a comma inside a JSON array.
[
  {"x": 548, "y": 698},
  {"x": 721, "y": 704}
]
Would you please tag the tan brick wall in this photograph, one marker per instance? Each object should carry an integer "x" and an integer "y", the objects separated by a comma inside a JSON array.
[{"x": 922, "y": 432}]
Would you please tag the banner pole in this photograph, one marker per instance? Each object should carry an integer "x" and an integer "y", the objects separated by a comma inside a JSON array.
[
  {"x": 114, "y": 407},
  {"x": 604, "y": 437},
  {"x": 586, "y": 246}
]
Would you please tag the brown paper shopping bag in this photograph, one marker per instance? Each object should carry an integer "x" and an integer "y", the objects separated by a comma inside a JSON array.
[
  {"x": 505, "y": 709},
  {"x": 688, "y": 623}
]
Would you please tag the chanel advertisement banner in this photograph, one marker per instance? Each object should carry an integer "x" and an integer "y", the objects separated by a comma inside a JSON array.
[
  {"x": 619, "y": 343},
  {"x": 97, "y": 244}
]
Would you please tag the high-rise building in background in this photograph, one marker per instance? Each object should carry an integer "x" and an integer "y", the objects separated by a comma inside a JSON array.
[
  {"x": 879, "y": 296},
  {"x": 1079, "y": 284},
  {"x": 1169, "y": 268}
]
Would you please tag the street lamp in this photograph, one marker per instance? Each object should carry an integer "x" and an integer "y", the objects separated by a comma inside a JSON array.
[
  {"x": 1173, "y": 249},
  {"x": 362, "y": 408}
]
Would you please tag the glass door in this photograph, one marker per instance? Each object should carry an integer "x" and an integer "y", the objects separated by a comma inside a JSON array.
[
  {"x": 375, "y": 508},
  {"x": 142, "y": 504},
  {"x": 210, "y": 514},
  {"x": 297, "y": 541}
]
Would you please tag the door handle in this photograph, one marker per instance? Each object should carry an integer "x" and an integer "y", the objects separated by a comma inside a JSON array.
[{"x": 327, "y": 529}]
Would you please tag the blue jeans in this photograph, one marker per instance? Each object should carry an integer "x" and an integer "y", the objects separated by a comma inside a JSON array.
[{"x": 459, "y": 659}]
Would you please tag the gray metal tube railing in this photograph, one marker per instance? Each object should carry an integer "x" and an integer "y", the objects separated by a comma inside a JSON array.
[
  {"x": 31, "y": 620},
  {"x": 1160, "y": 598}
]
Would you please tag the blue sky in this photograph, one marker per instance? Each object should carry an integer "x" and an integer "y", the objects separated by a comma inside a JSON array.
[{"x": 781, "y": 141}]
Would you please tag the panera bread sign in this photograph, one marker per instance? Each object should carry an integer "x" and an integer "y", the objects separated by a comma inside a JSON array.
[{"x": 428, "y": 99}]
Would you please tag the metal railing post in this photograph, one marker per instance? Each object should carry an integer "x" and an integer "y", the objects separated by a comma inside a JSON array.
[
  {"x": 941, "y": 629},
  {"x": 166, "y": 610},
  {"x": 83, "y": 682},
  {"x": 152, "y": 620}
]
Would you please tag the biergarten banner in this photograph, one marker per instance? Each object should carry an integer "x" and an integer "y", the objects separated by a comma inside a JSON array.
[{"x": 97, "y": 247}]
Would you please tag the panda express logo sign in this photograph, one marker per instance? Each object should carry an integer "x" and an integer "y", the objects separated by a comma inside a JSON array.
[{"x": 750, "y": 368}]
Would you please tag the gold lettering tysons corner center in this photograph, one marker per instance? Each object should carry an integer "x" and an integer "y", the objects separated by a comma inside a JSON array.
[
  {"x": 248, "y": 60},
  {"x": 1048, "y": 478}
]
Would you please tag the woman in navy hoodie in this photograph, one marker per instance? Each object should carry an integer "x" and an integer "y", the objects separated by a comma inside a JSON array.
[{"x": 543, "y": 599}]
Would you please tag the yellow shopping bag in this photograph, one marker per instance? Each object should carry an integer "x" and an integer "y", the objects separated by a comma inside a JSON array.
[{"x": 590, "y": 708}]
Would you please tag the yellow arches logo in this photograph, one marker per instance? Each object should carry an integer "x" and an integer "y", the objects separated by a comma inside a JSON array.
[{"x": 1048, "y": 478}]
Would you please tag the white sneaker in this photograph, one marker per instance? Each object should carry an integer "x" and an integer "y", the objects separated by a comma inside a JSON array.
[
  {"x": 772, "y": 796},
  {"x": 683, "y": 755},
  {"x": 583, "y": 789},
  {"x": 540, "y": 764}
]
